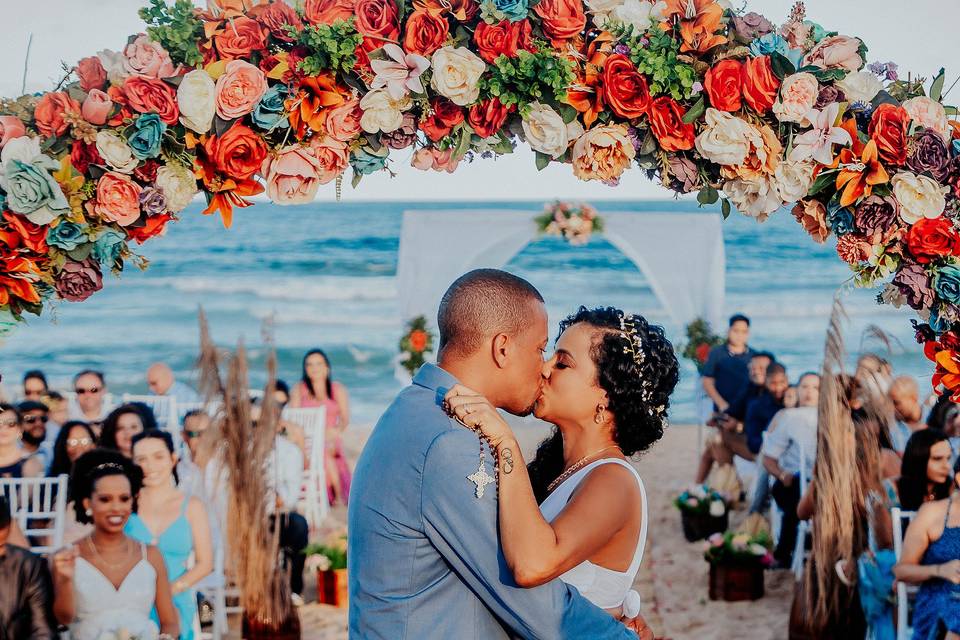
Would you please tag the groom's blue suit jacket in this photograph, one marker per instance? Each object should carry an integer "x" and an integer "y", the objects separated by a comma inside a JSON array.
[{"x": 423, "y": 555}]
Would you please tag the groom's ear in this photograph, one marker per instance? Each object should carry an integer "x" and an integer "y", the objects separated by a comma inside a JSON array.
[{"x": 500, "y": 346}]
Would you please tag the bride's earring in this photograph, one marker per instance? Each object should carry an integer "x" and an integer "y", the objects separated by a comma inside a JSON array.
[
  {"x": 599, "y": 417},
  {"x": 89, "y": 512}
]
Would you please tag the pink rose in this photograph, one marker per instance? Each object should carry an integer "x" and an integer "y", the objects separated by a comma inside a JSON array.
[
  {"x": 292, "y": 175},
  {"x": 334, "y": 157},
  {"x": 930, "y": 114},
  {"x": 117, "y": 199},
  {"x": 144, "y": 57},
  {"x": 798, "y": 94},
  {"x": 91, "y": 73},
  {"x": 343, "y": 121},
  {"x": 10, "y": 127},
  {"x": 432, "y": 158},
  {"x": 96, "y": 107},
  {"x": 836, "y": 52},
  {"x": 239, "y": 89}
]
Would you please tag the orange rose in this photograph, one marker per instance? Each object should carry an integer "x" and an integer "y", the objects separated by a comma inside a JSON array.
[
  {"x": 378, "y": 22},
  {"x": 562, "y": 19},
  {"x": 625, "y": 90},
  {"x": 487, "y": 116},
  {"x": 50, "y": 110},
  {"x": 275, "y": 16},
  {"x": 155, "y": 226},
  {"x": 666, "y": 122},
  {"x": 418, "y": 340},
  {"x": 760, "y": 85},
  {"x": 888, "y": 128},
  {"x": 117, "y": 199},
  {"x": 724, "y": 85},
  {"x": 91, "y": 73},
  {"x": 145, "y": 95},
  {"x": 241, "y": 37},
  {"x": 327, "y": 11},
  {"x": 503, "y": 38},
  {"x": 343, "y": 122},
  {"x": 425, "y": 33},
  {"x": 444, "y": 116},
  {"x": 238, "y": 153}
]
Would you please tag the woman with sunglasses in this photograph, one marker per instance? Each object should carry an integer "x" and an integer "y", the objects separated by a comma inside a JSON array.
[
  {"x": 75, "y": 439},
  {"x": 15, "y": 462}
]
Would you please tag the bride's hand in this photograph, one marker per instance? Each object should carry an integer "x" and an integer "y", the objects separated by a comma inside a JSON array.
[
  {"x": 475, "y": 411},
  {"x": 64, "y": 562}
]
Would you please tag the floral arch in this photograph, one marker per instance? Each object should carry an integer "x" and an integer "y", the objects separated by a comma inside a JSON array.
[{"x": 253, "y": 96}]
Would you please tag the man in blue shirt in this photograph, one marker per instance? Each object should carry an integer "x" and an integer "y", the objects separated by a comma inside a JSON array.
[{"x": 725, "y": 375}]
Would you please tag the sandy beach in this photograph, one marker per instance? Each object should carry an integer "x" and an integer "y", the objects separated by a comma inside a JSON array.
[{"x": 673, "y": 577}]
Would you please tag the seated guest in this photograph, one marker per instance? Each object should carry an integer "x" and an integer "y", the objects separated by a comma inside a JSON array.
[
  {"x": 15, "y": 461},
  {"x": 58, "y": 409},
  {"x": 161, "y": 381},
  {"x": 26, "y": 594},
  {"x": 790, "y": 398},
  {"x": 74, "y": 440},
  {"x": 121, "y": 425},
  {"x": 791, "y": 431},
  {"x": 34, "y": 385},
  {"x": 905, "y": 396},
  {"x": 108, "y": 582},
  {"x": 190, "y": 467},
  {"x": 925, "y": 473},
  {"x": 174, "y": 522},
  {"x": 37, "y": 440},
  {"x": 931, "y": 558},
  {"x": 90, "y": 404}
]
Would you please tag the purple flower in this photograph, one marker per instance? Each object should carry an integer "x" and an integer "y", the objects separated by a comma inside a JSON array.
[
  {"x": 684, "y": 175},
  {"x": 928, "y": 154},
  {"x": 77, "y": 281},
  {"x": 751, "y": 26},
  {"x": 914, "y": 283},
  {"x": 696, "y": 88},
  {"x": 152, "y": 201},
  {"x": 886, "y": 70},
  {"x": 622, "y": 49},
  {"x": 402, "y": 137},
  {"x": 876, "y": 214},
  {"x": 828, "y": 95}
]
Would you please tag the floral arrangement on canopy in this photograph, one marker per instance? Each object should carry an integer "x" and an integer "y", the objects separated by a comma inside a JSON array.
[
  {"x": 739, "y": 548},
  {"x": 574, "y": 222},
  {"x": 700, "y": 339},
  {"x": 415, "y": 344},
  {"x": 252, "y": 95}
]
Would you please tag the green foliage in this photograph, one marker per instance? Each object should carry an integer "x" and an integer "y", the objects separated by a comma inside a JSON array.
[
  {"x": 336, "y": 554},
  {"x": 700, "y": 338},
  {"x": 176, "y": 28},
  {"x": 332, "y": 47},
  {"x": 530, "y": 77},
  {"x": 416, "y": 343},
  {"x": 657, "y": 55}
]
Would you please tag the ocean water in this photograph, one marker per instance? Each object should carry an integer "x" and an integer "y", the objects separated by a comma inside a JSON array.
[{"x": 323, "y": 276}]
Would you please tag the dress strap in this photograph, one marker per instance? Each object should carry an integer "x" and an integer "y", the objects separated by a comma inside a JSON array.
[{"x": 143, "y": 551}]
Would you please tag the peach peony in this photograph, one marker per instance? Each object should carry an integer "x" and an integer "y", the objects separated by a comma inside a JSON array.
[
  {"x": 239, "y": 89},
  {"x": 602, "y": 153},
  {"x": 144, "y": 57},
  {"x": 343, "y": 121},
  {"x": 117, "y": 199}
]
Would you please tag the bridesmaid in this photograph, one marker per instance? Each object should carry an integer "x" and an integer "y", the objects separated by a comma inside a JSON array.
[
  {"x": 175, "y": 523},
  {"x": 317, "y": 389}
]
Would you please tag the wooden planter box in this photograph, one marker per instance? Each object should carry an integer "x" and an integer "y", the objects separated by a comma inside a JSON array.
[
  {"x": 699, "y": 526},
  {"x": 332, "y": 587},
  {"x": 736, "y": 582},
  {"x": 252, "y": 629}
]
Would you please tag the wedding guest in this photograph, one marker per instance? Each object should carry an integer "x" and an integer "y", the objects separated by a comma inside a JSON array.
[
  {"x": 905, "y": 396},
  {"x": 725, "y": 374},
  {"x": 108, "y": 583},
  {"x": 58, "y": 409},
  {"x": 37, "y": 439},
  {"x": 790, "y": 398},
  {"x": 122, "y": 424},
  {"x": 190, "y": 467},
  {"x": 90, "y": 404},
  {"x": 26, "y": 594},
  {"x": 173, "y": 522},
  {"x": 871, "y": 367},
  {"x": 15, "y": 462},
  {"x": 34, "y": 385},
  {"x": 75, "y": 439},
  {"x": 281, "y": 393},
  {"x": 317, "y": 389},
  {"x": 931, "y": 558},
  {"x": 925, "y": 472},
  {"x": 161, "y": 381}
]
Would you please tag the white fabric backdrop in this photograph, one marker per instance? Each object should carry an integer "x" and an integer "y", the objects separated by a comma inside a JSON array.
[{"x": 681, "y": 255}]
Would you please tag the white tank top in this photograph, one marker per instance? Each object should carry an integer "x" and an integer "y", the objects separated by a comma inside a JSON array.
[{"x": 603, "y": 587}]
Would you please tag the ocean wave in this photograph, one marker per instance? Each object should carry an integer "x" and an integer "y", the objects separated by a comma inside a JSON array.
[
  {"x": 316, "y": 288},
  {"x": 304, "y": 316}
]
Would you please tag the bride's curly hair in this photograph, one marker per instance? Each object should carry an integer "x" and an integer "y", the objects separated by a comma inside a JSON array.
[{"x": 639, "y": 394}]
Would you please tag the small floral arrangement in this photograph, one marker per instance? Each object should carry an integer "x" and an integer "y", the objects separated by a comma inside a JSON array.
[
  {"x": 124, "y": 634},
  {"x": 701, "y": 499},
  {"x": 738, "y": 548},
  {"x": 415, "y": 344},
  {"x": 575, "y": 222},
  {"x": 700, "y": 339},
  {"x": 329, "y": 555}
]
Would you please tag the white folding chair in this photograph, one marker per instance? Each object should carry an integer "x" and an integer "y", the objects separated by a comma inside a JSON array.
[
  {"x": 38, "y": 500},
  {"x": 314, "y": 494},
  {"x": 904, "y": 591}
]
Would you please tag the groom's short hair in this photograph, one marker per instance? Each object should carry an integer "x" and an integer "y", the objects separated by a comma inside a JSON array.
[{"x": 482, "y": 303}]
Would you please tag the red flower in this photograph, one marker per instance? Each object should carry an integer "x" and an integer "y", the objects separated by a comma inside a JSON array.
[
  {"x": 666, "y": 122},
  {"x": 240, "y": 38},
  {"x": 425, "y": 33},
  {"x": 91, "y": 73},
  {"x": 418, "y": 340},
  {"x": 147, "y": 171},
  {"x": 146, "y": 95},
  {"x": 82, "y": 155},
  {"x": 888, "y": 127},
  {"x": 275, "y": 16},
  {"x": 50, "y": 110},
  {"x": 155, "y": 226},
  {"x": 930, "y": 239},
  {"x": 703, "y": 352},
  {"x": 238, "y": 153},
  {"x": 487, "y": 116},
  {"x": 327, "y": 11},
  {"x": 378, "y": 22},
  {"x": 443, "y": 118},
  {"x": 760, "y": 85},
  {"x": 30, "y": 235},
  {"x": 504, "y": 38},
  {"x": 724, "y": 85},
  {"x": 624, "y": 89}
]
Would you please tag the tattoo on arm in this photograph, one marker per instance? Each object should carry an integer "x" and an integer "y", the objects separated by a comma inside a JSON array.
[{"x": 506, "y": 457}]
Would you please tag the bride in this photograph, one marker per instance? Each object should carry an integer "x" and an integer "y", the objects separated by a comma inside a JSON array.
[
  {"x": 107, "y": 583},
  {"x": 579, "y": 510}
]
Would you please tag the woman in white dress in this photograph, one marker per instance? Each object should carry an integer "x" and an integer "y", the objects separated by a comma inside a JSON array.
[
  {"x": 107, "y": 582},
  {"x": 579, "y": 511}
]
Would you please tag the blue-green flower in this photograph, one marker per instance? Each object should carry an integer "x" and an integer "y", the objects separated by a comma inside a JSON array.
[
  {"x": 512, "y": 10},
  {"x": 147, "y": 133},
  {"x": 366, "y": 161},
  {"x": 268, "y": 114},
  {"x": 32, "y": 191},
  {"x": 775, "y": 43},
  {"x": 947, "y": 284},
  {"x": 66, "y": 235},
  {"x": 840, "y": 220},
  {"x": 817, "y": 33},
  {"x": 107, "y": 247}
]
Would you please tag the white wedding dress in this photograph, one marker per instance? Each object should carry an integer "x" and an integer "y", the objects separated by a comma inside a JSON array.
[
  {"x": 102, "y": 610},
  {"x": 603, "y": 587}
]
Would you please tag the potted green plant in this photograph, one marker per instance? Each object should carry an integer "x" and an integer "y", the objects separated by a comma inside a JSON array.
[
  {"x": 737, "y": 561},
  {"x": 329, "y": 560},
  {"x": 703, "y": 511}
]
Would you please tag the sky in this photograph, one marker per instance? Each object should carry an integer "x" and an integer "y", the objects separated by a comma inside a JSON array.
[{"x": 920, "y": 35}]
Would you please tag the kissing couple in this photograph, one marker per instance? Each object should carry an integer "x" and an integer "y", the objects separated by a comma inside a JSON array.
[{"x": 452, "y": 535}]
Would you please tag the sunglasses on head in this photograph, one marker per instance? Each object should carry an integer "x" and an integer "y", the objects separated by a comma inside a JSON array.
[
  {"x": 9, "y": 424},
  {"x": 33, "y": 419},
  {"x": 81, "y": 392}
]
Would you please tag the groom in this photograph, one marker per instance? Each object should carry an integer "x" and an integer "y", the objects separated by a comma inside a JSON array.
[{"x": 423, "y": 553}]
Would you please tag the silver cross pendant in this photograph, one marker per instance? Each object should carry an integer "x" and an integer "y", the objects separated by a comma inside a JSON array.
[{"x": 481, "y": 478}]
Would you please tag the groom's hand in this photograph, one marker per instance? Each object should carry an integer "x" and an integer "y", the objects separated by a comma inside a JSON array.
[
  {"x": 476, "y": 412},
  {"x": 639, "y": 626}
]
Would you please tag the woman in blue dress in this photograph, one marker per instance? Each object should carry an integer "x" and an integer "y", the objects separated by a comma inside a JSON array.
[
  {"x": 175, "y": 523},
  {"x": 931, "y": 558}
]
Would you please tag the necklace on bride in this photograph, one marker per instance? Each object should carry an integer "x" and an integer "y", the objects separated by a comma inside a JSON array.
[
  {"x": 576, "y": 466},
  {"x": 112, "y": 565}
]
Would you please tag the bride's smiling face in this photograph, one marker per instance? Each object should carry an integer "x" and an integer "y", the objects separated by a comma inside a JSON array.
[
  {"x": 571, "y": 392},
  {"x": 111, "y": 503}
]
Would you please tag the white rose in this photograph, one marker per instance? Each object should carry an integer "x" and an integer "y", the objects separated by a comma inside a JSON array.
[
  {"x": 756, "y": 197},
  {"x": 726, "y": 139},
  {"x": 178, "y": 185},
  {"x": 757, "y": 549},
  {"x": 919, "y": 196},
  {"x": 116, "y": 152},
  {"x": 928, "y": 113},
  {"x": 112, "y": 62},
  {"x": 639, "y": 13},
  {"x": 546, "y": 131},
  {"x": 196, "y": 97},
  {"x": 861, "y": 86},
  {"x": 798, "y": 94},
  {"x": 381, "y": 112},
  {"x": 25, "y": 149},
  {"x": 717, "y": 508},
  {"x": 793, "y": 180},
  {"x": 456, "y": 74}
]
